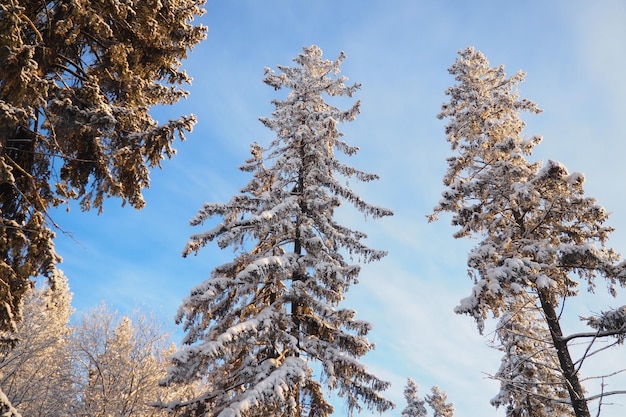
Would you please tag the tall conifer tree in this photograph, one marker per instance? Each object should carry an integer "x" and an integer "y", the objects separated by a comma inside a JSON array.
[
  {"x": 262, "y": 325},
  {"x": 541, "y": 237}
]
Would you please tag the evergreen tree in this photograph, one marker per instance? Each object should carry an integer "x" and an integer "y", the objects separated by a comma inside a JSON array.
[
  {"x": 438, "y": 401},
  {"x": 261, "y": 325},
  {"x": 540, "y": 235},
  {"x": 414, "y": 404},
  {"x": 78, "y": 80}
]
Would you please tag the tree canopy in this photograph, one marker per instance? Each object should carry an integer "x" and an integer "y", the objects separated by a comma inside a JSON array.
[{"x": 78, "y": 80}]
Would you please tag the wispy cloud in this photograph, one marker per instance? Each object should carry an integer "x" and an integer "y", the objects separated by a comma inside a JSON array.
[{"x": 574, "y": 55}]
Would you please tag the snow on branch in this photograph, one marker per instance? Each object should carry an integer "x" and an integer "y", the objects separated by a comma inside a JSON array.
[{"x": 609, "y": 323}]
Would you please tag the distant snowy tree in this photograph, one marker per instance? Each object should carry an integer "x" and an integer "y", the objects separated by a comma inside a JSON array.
[
  {"x": 118, "y": 362},
  {"x": 414, "y": 404},
  {"x": 263, "y": 324},
  {"x": 540, "y": 235},
  {"x": 77, "y": 83},
  {"x": 437, "y": 401},
  {"x": 102, "y": 366},
  {"x": 37, "y": 373}
]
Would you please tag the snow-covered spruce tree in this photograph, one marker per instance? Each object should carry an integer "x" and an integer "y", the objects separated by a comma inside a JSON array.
[
  {"x": 78, "y": 80},
  {"x": 415, "y": 406},
  {"x": 540, "y": 235},
  {"x": 262, "y": 324},
  {"x": 437, "y": 401}
]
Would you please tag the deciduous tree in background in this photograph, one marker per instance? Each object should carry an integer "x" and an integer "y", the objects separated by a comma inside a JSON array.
[
  {"x": 37, "y": 374},
  {"x": 541, "y": 237},
  {"x": 118, "y": 362},
  {"x": 104, "y": 365},
  {"x": 78, "y": 80},
  {"x": 262, "y": 324}
]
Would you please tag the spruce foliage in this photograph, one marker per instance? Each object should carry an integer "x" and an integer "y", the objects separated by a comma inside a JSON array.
[
  {"x": 262, "y": 325},
  {"x": 78, "y": 80}
]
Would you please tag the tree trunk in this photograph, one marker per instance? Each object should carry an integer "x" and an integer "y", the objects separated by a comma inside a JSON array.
[
  {"x": 576, "y": 392},
  {"x": 296, "y": 305}
]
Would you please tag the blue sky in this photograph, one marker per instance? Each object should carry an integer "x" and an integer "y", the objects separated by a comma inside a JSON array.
[{"x": 574, "y": 53}]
